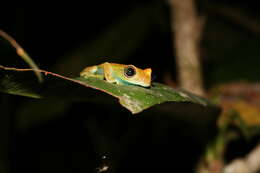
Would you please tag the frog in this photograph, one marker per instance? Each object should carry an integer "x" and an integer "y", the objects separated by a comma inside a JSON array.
[{"x": 120, "y": 74}]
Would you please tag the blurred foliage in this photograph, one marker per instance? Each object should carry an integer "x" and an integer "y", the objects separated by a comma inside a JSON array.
[{"x": 240, "y": 100}]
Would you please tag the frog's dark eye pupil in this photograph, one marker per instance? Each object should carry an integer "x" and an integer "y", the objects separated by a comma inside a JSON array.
[{"x": 129, "y": 71}]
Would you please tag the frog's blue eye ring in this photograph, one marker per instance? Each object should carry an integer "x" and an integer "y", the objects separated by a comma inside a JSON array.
[{"x": 129, "y": 71}]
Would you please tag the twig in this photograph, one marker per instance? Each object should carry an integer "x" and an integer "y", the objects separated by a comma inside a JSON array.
[{"x": 21, "y": 52}]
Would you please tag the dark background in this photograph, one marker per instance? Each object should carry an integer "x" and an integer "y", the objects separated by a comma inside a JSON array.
[{"x": 57, "y": 136}]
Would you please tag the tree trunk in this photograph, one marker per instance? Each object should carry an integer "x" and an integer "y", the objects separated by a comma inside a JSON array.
[{"x": 186, "y": 28}]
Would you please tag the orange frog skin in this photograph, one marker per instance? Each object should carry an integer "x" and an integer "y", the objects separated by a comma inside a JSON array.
[{"x": 120, "y": 74}]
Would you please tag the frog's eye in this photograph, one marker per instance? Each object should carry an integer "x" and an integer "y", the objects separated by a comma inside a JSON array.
[{"x": 129, "y": 71}]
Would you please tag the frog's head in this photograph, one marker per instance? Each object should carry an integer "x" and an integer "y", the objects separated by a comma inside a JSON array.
[{"x": 137, "y": 76}]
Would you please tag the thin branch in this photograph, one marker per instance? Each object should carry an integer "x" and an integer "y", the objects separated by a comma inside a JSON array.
[{"x": 21, "y": 52}]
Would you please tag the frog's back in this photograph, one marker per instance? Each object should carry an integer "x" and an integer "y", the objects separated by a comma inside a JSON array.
[{"x": 114, "y": 69}]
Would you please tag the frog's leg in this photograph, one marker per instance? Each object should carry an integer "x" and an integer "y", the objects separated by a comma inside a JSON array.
[
  {"x": 108, "y": 72},
  {"x": 93, "y": 71}
]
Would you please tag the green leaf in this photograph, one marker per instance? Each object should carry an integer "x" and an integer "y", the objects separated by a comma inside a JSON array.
[{"x": 134, "y": 98}]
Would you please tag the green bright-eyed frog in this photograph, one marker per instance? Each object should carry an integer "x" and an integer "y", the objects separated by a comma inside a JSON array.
[{"x": 119, "y": 74}]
